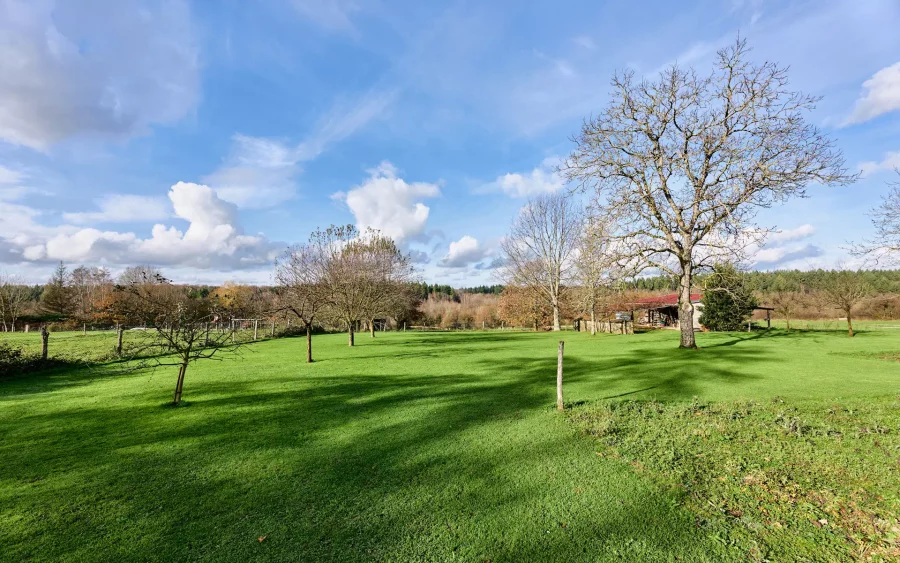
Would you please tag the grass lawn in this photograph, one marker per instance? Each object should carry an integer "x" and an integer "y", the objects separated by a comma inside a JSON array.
[{"x": 428, "y": 447}]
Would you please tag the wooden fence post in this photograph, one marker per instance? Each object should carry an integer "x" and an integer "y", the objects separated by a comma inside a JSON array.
[
  {"x": 45, "y": 337},
  {"x": 255, "y": 327},
  {"x": 559, "y": 377},
  {"x": 119, "y": 332}
]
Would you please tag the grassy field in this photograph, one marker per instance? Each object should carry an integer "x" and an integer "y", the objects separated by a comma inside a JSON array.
[{"x": 446, "y": 447}]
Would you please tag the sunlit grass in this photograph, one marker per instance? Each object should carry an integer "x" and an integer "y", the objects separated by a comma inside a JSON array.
[{"x": 438, "y": 447}]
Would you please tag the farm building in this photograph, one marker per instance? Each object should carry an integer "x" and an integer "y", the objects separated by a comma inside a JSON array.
[{"x": 662, "y": 310}]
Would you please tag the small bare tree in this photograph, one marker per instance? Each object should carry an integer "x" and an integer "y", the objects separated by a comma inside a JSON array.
[
  {"x": 682, "y": 164},
  {"x": 787, "y": 304},
  {"x": 181, "y": 325},
  {"x": 540, "y": 246},
  {"x": 844, "y": 290},
  {"x": 595, "y": 267},
  {"x": 388, "y": 271},
  {"x": 300, "y": 273},
  {"x": 13, "y": 298}
]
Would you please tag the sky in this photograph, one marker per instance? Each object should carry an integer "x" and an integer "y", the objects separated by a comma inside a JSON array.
[{"x": 204, "y": 137}]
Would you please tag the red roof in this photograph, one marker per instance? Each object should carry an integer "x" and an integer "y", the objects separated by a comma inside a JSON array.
[{"x": 665, "y": 300}]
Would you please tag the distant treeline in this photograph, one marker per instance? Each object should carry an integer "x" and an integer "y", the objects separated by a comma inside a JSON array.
[
  {"x": 423, "y": 290},
  {"x": 880, "y": 281}
]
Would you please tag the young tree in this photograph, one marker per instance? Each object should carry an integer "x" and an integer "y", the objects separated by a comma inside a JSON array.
[
  {"x": 727, "y": 301},
  {"x": 844, "y": 290},
  {"x": 180, "y": 324},
  {"x": 14, "y": 295},
  {"x": 300, "y": 274},
  {"x": 540, "y": 246},
  {"x": 388, "y": 271},
  {"x": 682, "y": 164},
  {"x": 787, "y": 304},
  {"x": 524, "y": 306},
  {"x": 594, "y": 267}
]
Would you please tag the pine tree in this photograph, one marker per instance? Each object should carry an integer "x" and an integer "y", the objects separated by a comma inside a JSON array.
[{"x": 56, "y": 298}]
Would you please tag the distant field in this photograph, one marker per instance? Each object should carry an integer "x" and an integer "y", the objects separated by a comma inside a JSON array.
[{"x": 446, "y": 447}]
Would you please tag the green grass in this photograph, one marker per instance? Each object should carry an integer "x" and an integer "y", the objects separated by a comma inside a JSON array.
[{"x": 423, "y": 447}]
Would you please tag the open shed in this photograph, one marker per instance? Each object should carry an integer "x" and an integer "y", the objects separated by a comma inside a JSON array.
[{"x": 662, "y": 310}]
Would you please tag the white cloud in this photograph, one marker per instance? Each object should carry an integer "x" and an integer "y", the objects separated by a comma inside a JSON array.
[
  {"x": 104, "y": 68},
  {"x": 258, "y": 173},
  {"x": 780, "y": 257},
  {"x": 343, "y": 120},
  {"x": 542, "y": 179},
  {"x": 881, "y": 95},
  {"x": 585, "y": 42},
  {"x": 891, "y": 161},
  {"x": 463, "y": 252},
  {"x": 122, "y": 208},
  {"x": 390, "y": 204},
  {"x": 8, "y": 176},
  {"x": 783, "y": 236},
  {"x": 333, "y": 15},
  {"x": 212, "y": 240}
]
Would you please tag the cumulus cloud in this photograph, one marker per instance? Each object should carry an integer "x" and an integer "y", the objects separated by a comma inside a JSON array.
[
  {"x": 881, "y": 94},
  {"x": 122, "y": 208},
  {"x": 782, "y": 248},
  {"x": 773, "y": 258},
  {"x": 213, "y": 238},
  {"x": 258, "y": 173},
  {"x": 542, "y": 179},
  {"x": 787, "y": 235},
  {"x": 463, "y": 252},
  {"x": 891, "y": 161},
  {"x": 101, "y": 68},
  {"x": 390, "y": 204}
]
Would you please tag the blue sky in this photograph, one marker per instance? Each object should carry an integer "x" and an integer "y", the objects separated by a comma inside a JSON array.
[{"x": 205, "y": 136}]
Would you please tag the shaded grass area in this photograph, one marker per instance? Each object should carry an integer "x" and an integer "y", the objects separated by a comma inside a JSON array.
[
  {"x": 438, "y": 447},
  {"x": 780, "y": 482}
]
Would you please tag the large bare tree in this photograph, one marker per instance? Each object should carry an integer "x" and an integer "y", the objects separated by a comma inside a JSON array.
[
  {"x": 540, "y": 246},
  {"x": 682, "y": 164},
  {"x": 884, "y": 246},
  {"x": 364, "y": 274}
]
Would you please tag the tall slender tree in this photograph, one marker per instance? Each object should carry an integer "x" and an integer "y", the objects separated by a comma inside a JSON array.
[{"x": 540, "y": 246}]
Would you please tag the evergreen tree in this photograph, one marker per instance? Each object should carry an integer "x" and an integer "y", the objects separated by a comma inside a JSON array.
[
  {"x": 727, "y": 301},
  {"x": 56, "y": 298}
]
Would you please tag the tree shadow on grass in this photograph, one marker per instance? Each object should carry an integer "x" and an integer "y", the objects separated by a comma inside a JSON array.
[{"x": 466, "y": 463}]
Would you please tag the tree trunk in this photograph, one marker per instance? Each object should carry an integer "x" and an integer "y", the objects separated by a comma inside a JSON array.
[
  {"x": 686, "y": 310},
  {"x": 788, "y": 323},
  {"x": 45, "y": 337},
  {"x": 849, "y": 325},
  {"x": 309, "y": 343},
  {"x": 559, "y": 377},
  {"x": 556, "y": 327},
  {"x": 593, "y": 322},
  {"x": 350, "y": 339},
  {"x": 180, "y": 385},
  {"x": 372, "y": 328}
]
